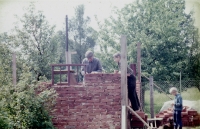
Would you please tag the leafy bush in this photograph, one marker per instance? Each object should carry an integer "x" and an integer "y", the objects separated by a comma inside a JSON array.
[{"x": 26, "y": 106}]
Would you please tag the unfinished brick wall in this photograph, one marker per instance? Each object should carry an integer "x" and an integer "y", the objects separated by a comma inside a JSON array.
[{"x": 94, "y": 105}]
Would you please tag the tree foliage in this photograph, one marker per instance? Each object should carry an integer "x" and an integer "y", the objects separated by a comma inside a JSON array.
[
  {"x": 33, "y": 42},
  {"x": 82, "y": 36},
  {"x": 5, "y": 64},
  {"x": 164, "y": 30}
]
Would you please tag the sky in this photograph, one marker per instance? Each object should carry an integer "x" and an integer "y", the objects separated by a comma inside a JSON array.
[{"x": 56, "y": 10}]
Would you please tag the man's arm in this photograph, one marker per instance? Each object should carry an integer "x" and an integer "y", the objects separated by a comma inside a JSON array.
[
  {"x": 99, "y": 67},
  {"x": 179, "y": 101}
]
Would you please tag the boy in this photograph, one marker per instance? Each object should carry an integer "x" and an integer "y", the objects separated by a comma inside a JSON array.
[
  {"x": 178, "y": 106},
  {"x": 132, "y": 95}
]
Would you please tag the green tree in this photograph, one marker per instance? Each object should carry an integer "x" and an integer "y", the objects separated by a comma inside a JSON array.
[
  {"x": 34, "y": 44},
  {"x": 164, "y": 30},
  {"x": 82, "y": 36},
  {"x": 194, "y": 60},
  {"x": 59, "y": 40},
  {"x": 5, "y": 61}
]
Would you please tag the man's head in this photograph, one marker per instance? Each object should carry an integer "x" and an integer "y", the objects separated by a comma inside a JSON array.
[
  {"x": 173, "y": 91},
  {"x": 89, "y": 55},
  {"x": 117, "y": 57}
]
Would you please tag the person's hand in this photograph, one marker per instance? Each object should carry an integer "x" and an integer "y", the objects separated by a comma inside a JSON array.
[
  {"x": 94, "y": 72},
  {"x": 116, "y": 71},
  {"x": 172, "y": 104}
]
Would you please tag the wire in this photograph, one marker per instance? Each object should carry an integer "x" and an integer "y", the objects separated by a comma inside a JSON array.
[{"x": 158, "y": 87}]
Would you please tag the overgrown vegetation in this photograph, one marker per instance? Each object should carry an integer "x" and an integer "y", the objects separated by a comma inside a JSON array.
[
  {"x": 170, "y": 44},
  {"x": 27, "y": 105}
]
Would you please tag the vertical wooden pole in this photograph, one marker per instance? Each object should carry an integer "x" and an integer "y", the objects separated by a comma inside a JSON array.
[
  {"x": 124, "y": 96},
  {"x": 68, "y": 75},
  {"x": 66, "y": 41},
  {"x": 14, "y": 70},
  {"x": 139, "y": 61},
  {"x": 141, "y": 97},
  {"x": 151, "y": 96},
  {"x": 52, "y": 75}
]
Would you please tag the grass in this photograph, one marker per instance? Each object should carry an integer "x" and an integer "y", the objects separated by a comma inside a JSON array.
[{"x": 192, "y": 94}]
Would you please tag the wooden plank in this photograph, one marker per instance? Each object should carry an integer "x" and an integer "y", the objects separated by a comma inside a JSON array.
[
  {"x": 151, "y": 96},
  {"x": 52, "y": 75},
  {"x": 68, "y": 80},
  {"x": 139, "y": 61},
  {"x": 139, "y": 74},
  {"x": 138, "y": 117},
  {"x": 14, "y": 70},
  {"x": 62, "y": 71},
  {"x": 124, "y": 96}
]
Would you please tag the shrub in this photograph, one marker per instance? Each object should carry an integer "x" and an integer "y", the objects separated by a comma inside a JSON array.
[{"x": 24, "y": 107}]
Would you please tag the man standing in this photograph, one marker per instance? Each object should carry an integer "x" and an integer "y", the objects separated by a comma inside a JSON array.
[
  {"x": 131, "y": 81},
  {"x": 93, "y": 64},
  {"x": 178, "y": 106}
]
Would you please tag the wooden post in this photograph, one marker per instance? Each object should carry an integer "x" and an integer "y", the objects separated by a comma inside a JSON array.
[
  {"x": 139, "y": 61},
  {"x": 14, "y": 70},
  {"x": 68, "y": 53},
  {"x": 151, "y": 97},
  {"x": 52, "y": 75},
  {"x": 124, "y": 96},
  {"x": 141, "y": 97},
  {"x": 68, "y": 57}
]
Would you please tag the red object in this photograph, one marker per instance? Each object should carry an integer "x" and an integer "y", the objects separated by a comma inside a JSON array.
[
  {"x": 189, "y": 117},
  {"x": 133, "y": 67}
]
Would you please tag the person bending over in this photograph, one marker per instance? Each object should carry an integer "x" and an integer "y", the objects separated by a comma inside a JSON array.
[
  {"x": 93, "y": 65},
  {"x": 131, "y": 81}
]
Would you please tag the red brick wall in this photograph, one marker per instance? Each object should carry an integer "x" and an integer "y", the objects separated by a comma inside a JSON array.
[{"x": 96, "y": 104}]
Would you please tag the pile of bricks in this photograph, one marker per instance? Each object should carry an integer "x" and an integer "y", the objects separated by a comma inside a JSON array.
[
  {"x": 135, "y": 122},
  {"x": 95, "y": 104},
  {"x": 190, "y": 117}
]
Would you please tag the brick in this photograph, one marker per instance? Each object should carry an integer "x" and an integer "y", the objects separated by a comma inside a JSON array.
[
  {"x": 192, "y": 112},
  {"x": 100, "y": 96}
]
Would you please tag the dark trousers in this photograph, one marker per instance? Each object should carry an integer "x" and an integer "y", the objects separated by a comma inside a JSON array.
[
  {"x": 177, "y": 120},
  {"x": 132, "y": 95}
]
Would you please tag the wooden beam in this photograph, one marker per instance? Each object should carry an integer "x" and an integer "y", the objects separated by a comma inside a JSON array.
[
  {"x": 151, "y": 96},
  {"x": 139, "y": 73},
  {"x": 138, "y": 117},
  {"x": 139, "y": 61},
  {"x": 124, "y": 96},
  {"x": 14, "y": 70}
]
